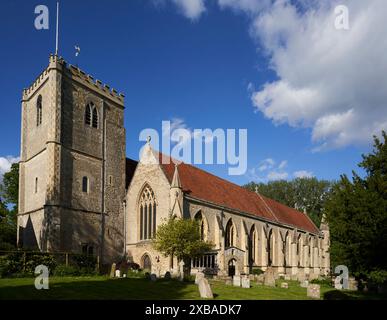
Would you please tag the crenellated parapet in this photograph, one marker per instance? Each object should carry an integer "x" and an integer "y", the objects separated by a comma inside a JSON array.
[{"x": 75, "y": 73}]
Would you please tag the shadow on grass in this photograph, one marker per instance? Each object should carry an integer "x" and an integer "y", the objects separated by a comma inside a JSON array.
[
  {"x": 352, "y": 295},
  {"x": 99, "y": 289}
]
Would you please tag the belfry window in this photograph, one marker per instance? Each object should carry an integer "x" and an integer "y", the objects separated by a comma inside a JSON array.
[
  {"x": 39, "y": 111},
  {"x": 147, "y": 208},
  {"x": 91, "y": 115}
]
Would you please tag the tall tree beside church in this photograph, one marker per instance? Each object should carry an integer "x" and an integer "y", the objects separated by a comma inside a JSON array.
[
  {"x": 304, "y": 194},
  {"x": 180, "y": 238},
  {"x": 9, "y": 192},
  {"x": 357, "y": 217}
]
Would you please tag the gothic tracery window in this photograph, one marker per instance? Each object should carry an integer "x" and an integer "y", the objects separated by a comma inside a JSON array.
[
  {"x": 202, "y": 225},
  {"x": 147, "y": 208},
  {"x": 230, "y": 234}
]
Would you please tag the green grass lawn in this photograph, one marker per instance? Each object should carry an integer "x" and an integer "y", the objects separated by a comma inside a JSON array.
[{"x": 103, "y": 288}]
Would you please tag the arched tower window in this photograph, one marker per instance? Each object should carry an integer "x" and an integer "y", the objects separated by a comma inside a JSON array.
[
  {"x": 39, "y": 111},
  {"x": 147, "y": 208},
  {"x": 202, "y": 225},
  {"x": 88, "y": 114},
  {"x": 230, "y": 234}
]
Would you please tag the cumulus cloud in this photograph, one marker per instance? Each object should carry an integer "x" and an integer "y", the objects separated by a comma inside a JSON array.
[
  {"x": 328, "y": 80},
  {"x": 303, "y": 174},
  {"x": 191, "y": 9},
  {"x": 332, "y": 81},
  {"x": 5, "y": 165},
  {"x": 268, "y": 170}
]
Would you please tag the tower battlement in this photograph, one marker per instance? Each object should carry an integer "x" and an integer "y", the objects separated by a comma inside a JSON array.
[{"x": 57, "y": 62}]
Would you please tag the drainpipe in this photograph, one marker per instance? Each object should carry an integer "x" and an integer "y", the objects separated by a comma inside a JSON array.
[{"x": 124, "y": 206}]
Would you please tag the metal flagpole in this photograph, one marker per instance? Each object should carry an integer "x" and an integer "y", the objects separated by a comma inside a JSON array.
[{"x": 57, "y": 28}]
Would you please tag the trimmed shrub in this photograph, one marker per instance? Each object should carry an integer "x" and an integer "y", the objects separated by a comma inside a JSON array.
[{"x": 256, "y": 271}]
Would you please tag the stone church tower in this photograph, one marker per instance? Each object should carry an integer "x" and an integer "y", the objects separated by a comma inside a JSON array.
[{"x": 72, "y": 169}]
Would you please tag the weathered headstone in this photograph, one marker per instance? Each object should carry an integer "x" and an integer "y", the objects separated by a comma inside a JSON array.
[
  {"x": 236, "y": 281},
  {"x": 260, "y": 279},
  {"x": 338, "y": 284},
  {"x": 113, "y": 270},
  {"x": 269, "y": 279},
  {"x": 118, "y": 274},
  {"x": 284, "y": 285},
  {"x": 228, "y": 282},
  {"x": 167, "y": 275},
  {"x": 313, "y": 291},
  {"x": 205, "y": 289},
  {"x": 147, "y": 275},
  {"x": 352, "y": 284},
  {"x": 246, "y": 282},
  {"x": 181, "y": 270},
  {"x": 199, "y": 275},
  {"x": 153, "y": 277},
  {"x": 304, "y": 284}
]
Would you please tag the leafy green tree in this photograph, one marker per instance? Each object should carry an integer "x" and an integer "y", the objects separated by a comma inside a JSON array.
[
  {"x": 9, "y": 192},
  {"x": 357, "y": 217},
  {"x": 304, "y": 194},
  {"x": 180, "y": 238}
]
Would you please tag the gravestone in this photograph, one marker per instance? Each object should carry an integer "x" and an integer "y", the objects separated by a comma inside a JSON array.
[
  {"x": 236, "y": 281},
  {"x": 352, "y": 284},
  {"x": 338, "y": 284},
  {"x": 147, "y": 275},
  {"x": 304, "y": 284},
  {"x": 153, "y": 277},
  {"x": 284, "y": 285},
  {"x": 269, "y": 279},
  {"x": 260, "y": 279},
  {"x": 118, "y": 274},
  {"x": 228, "y": 282},
  {"x": 313, "y": 291},
  {"x": 205, "y": 289},
  {"x": 181, "y": 270},
  {"x": 113, "y": 270},
  {"x": 246, "y": 282},
  {"x": 167, "y": 275},
  {"x": 199, "y": 275},
  {"x": 124, "y": 275}
]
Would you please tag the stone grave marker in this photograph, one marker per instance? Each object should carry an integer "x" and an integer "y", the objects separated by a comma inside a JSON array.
[
  {"x": 313, "y": 291},
  {"x": 113, "y": 270},
  {"x": 199, "y": 275},
  {"x": 167, "y": 276},
  {"x": 118, "y": 274},
  {"x": 304, "y": 284},
  {"x": 284, "y": 285},
  {"x": 269, "y": 279},
  {"x": 205, "y": 289},
  {"x": 236, "y": 281},
  {"x": 153, "y": 277},
  {"x": 246, "y": 282}
]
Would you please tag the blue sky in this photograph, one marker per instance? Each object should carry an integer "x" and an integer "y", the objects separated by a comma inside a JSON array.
[{"x": 208, "y": 68}]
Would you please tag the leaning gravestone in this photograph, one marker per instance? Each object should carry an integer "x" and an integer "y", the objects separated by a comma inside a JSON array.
[
  {"x": 199, "y": 275},
  {"x": 246, "y": 282},
  {"x": 153, "y": 277},
  {"x": 313, "y": 291},
  {"x": 237, "y": 281},
  {"x": 113, "y": 270},
  {"x": 205, "y": 289},
  {"x": 269, "y": 279}
]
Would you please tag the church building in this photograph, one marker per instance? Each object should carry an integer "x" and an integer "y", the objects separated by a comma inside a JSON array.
[{"x": 79, "y": 193}]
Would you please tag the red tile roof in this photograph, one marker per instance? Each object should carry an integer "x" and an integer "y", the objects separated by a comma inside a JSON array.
[{"x": 202, "y": 185}]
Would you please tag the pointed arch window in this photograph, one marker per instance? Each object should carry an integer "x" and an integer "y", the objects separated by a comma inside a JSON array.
[
  {"x": 91, "y": 115},
  {"x": 253, "y": 244},
  {"x": 147, "y": 208},
  {"x": 39, "y": 111},
  {"x": 230, "y": 234},
  {"x": 202, "y": 225}
]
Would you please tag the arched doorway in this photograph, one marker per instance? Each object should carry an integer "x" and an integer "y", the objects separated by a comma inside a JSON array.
[
  {"x": 231, "y": 267},
  {"x": 146, "y": 263}
]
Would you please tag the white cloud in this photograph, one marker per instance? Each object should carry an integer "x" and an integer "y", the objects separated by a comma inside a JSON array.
[
  {"x": 5, "y": 165},
  {"x": 332, "y": 81},
  {"x": 283, "y": 164},
  {"x": 247, "y": 6},
  {"x": 268, "y": 170},
  {"x": 266, "y": 164},
  {"x": 191, "y": 9},
  {"x": 303, "y": 174},
  {"x": 274, "y": 175}
]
